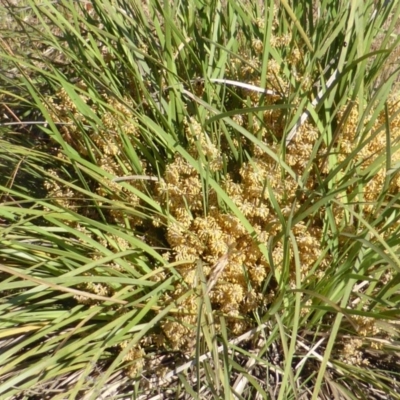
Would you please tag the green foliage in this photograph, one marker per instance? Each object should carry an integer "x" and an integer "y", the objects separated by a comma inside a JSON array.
[{"x": 214, "y": 182}]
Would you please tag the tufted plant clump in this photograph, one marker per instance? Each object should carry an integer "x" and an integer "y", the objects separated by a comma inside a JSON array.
[{"x": 214, "y": 207}]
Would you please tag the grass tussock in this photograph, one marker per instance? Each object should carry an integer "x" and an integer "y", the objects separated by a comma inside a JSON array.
[{"x": 199, "y": 201}]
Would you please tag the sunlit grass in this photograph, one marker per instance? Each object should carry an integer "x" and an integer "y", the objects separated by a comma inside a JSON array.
[{"x": 199, "y": 199}]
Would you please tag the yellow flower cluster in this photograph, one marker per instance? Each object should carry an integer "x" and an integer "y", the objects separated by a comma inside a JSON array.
[
  {"x": 372, "y": 146},
  {"x": 366, "y": 326},
  {"x": 200, "y": 141},
  {"x": 135, "y": 359},
  {"x": 352, "y": 353},
  {"x": 250, "y": 70},
  {"x": 204, "y": 232},
  {"x": 116, "y": 126},
  {"x": 107, "y": 138}
]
